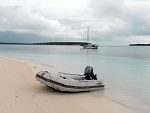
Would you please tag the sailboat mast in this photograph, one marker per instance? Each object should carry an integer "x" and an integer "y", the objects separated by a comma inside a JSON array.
[{"x": 87, "y": 34}]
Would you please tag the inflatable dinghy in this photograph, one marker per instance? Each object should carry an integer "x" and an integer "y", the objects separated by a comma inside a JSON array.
[{"x": 68, "y": 82}]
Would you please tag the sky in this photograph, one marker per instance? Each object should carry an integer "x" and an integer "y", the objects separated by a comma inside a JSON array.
[{"x": 111, "y": 22}]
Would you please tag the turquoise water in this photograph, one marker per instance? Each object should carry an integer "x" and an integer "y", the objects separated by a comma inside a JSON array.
[{"x": 125, "y": 70}]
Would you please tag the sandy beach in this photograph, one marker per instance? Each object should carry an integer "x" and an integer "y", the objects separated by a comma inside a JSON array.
[{"x": 21, "y": 93}]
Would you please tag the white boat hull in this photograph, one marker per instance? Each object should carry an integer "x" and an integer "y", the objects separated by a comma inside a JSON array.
[
  {"x": 63, "y": 83},
  {"x": 90, "y": 46}
]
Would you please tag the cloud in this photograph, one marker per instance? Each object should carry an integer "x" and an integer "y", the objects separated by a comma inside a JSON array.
[
  {"x": 14, "y": 37},
  {"x": 22, "y": 20},
  {"x": 120, "y": 20},
  {"x": 123, "y": 17},
  {"x": 113, "y": 21}
]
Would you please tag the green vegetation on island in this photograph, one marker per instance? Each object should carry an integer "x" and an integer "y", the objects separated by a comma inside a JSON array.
[
  {"x": 48, "y": 43},
  {"x": 139, "y": 44}
]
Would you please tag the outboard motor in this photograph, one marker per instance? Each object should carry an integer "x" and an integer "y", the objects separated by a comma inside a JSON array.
[{"x": 89, "y": 75}]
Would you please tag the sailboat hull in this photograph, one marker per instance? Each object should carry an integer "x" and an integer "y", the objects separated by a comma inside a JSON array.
[{"x": 90, "y": 46}]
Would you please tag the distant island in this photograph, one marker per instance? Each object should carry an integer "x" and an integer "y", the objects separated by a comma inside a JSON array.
[
  {"x": 139, "y": 44},
  {"x": 47, "y": 43}
]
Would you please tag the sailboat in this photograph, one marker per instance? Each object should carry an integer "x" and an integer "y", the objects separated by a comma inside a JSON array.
[{"x": 89, "y": 45}]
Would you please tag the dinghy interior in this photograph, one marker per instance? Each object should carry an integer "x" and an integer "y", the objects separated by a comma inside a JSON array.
[{"x": 71, "y": 82}]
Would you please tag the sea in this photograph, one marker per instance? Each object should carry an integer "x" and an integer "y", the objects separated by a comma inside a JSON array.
[{"x": 125, "y": 70}]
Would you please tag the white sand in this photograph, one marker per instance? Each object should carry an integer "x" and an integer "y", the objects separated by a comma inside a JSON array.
[{"x": 21, "y": 93}]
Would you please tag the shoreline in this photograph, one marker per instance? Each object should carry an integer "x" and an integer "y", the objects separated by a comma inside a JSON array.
[
  {"x": 22, "y": 93},
  {"x": 45, "y": 43},
  {"x": 139, "y": 44}
]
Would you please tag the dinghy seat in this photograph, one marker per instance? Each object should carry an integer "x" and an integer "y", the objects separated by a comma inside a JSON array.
[{"x": 89, "y": 74}]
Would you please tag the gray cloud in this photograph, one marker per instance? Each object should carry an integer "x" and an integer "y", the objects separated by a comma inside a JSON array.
[
  {"x": 123, "y": 18},
  {"x": 13, "y": 37},
  {"x": 21, "y": 20},
  {"x": 110, "y": 21}
]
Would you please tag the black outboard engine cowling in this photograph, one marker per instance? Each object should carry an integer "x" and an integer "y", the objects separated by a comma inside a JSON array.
[{"x": 89, "y": 75}]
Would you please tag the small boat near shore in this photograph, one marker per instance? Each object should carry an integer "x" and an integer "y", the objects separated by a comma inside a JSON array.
[{"x": 69, "y": 82}]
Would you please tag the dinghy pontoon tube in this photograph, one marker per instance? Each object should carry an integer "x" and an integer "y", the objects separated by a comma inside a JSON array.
[{"x": 64, "y": 82}]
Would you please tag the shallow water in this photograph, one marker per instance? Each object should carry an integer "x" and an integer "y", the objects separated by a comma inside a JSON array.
[{"x": 125, "y": 70}]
